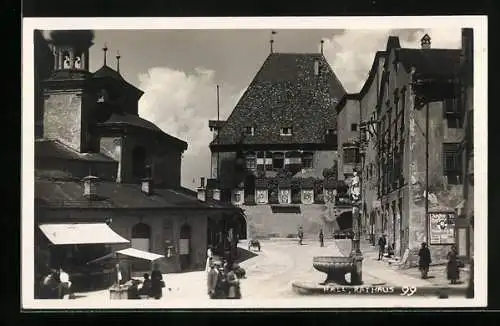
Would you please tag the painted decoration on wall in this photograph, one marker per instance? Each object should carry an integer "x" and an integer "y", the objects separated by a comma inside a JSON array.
[
  {"x": 329, "y": 195},
  {"x": 183, "y": 246},
  {"x": 261, "y": 196},
  {"x": 238, "y": 196},
  {"x": 284, "y": 196},
  {"x": 442, "y": 228},
  {"x": 308, "y": 196}
]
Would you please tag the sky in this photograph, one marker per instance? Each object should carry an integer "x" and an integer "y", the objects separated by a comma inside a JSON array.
[{"x": 178, "y": 70}]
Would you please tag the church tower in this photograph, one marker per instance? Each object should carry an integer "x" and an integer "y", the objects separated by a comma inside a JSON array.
[{"x": 66, "y": 93}]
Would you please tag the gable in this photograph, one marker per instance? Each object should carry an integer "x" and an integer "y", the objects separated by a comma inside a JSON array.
[{"x": 286, "y": 93}]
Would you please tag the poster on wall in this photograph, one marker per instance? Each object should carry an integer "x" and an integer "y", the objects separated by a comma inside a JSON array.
[{"x": 441, "y": 228}]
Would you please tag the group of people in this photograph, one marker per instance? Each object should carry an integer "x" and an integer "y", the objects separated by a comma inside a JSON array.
[
  {"x": 55, "y": 285},
  {"x": 424, "y": 260},
  {"x": 452, "y": 267},
  {"x": 150, "y": 287},
  {"x": 222, "y": 280}
]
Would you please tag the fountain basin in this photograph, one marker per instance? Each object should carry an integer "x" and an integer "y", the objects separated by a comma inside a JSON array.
[{"x": 334, "y": 267}]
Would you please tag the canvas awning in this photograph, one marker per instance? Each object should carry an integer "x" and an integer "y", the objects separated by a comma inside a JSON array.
[
  {"x": 81, "y": 233},
  {"x": 136, "y": 253},
  {"x": 129, "y": 252}
]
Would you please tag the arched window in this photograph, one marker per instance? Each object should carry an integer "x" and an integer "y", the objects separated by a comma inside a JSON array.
[
  {"x": 139, "y": 162},
  {"x": 141, "y": 235}
]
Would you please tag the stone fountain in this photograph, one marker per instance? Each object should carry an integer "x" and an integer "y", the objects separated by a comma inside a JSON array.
[{"x": 337, "y": 268}]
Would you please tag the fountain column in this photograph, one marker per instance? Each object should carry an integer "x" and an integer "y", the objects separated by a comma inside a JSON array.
[{"x": 356, "y": 254}]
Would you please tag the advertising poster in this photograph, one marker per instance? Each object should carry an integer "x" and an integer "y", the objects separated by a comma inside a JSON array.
[{"x": 441, "y": 228}]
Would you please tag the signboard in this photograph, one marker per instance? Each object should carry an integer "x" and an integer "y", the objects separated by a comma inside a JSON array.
[
  {"x": 462, "y": 241},
  {"x": 441, "y": 228}
]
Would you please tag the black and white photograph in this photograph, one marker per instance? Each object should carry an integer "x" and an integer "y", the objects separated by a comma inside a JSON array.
[{"x": 313, "y": 162}]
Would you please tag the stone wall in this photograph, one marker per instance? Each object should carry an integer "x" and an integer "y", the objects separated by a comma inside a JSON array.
[
  {"x": 262, "y": 222},
  {"x": 165, "y": 225},
  {"x": 165, "y": 160},
  {"x": 62, "y": 118}
]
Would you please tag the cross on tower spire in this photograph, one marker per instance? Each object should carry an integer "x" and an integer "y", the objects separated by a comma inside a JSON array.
[
  {"x": 105, "y": 50},
  {"x": 118, "y": 56}
]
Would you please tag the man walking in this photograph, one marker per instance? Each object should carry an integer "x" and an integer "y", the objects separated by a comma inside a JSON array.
[
  {"x": 321, "y": 238},
  {"x": 382, "y": 241}
]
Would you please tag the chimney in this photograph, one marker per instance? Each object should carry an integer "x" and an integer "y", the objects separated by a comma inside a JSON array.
[
  {"x": 201, "y": 190},
  {"x": 90, "y": 187},
  {"x": 425, "y": 42},
  {"x": 147, "y": 186}
]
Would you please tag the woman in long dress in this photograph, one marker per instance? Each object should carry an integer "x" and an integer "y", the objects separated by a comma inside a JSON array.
[
  {"x": 209, "y": 258},
  {"x": 452, "y": 268}
]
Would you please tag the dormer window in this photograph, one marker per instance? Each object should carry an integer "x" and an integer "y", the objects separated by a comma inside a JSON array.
[
  {"x": 249, "y": 131},
  {"x": 286, "y": 131}
]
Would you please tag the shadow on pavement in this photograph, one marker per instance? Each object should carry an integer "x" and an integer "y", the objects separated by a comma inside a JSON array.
[{"x": 244, "y": 255}]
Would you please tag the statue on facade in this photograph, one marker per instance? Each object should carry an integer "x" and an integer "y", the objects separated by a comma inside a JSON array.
[{"x": 354, "y": 188}]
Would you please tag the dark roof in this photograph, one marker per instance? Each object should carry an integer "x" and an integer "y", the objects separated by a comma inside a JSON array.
[
  {"x": 55, "y": 149},
  {"x": 392, "y": 43},
  {"x": 69, "y": 194},
  {"x": 132, "y": 120},
  {"x": 430, "y": 63},
  {"x": 108, "y": 72},
  {"x": 285, "y": 93}
]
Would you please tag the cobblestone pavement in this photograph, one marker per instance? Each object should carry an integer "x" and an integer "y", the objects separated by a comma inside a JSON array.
[
  {"x": 408, "y": 276},
  {"x": 271, "y": 273}
]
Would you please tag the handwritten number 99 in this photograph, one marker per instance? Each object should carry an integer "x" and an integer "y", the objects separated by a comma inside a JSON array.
[{"x": 408, "y": 290}]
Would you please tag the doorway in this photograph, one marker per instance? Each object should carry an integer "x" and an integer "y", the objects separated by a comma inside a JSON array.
[{"x": 185, "y": 247}]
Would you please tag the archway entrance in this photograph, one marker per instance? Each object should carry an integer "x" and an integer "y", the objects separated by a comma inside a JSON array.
[{"x": 185, "y": 247}]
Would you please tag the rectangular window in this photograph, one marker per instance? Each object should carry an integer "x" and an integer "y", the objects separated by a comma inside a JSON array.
[
  {"x": 251, "y": 163},
  {"x": 278, "y": 160},
  {"x": 307, "y": 160},
  {"x": 249, "y": 131},
  {"x": 286, "y": 131},
  {"x": 354, "y": 127},
  {"x": 351, "y": 155},
  {"x": 452, "y": 113},
  {"x": 452, "y": 163}
]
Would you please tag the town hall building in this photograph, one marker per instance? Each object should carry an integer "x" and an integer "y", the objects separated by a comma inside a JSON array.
[{"x": 276, "y": 153}]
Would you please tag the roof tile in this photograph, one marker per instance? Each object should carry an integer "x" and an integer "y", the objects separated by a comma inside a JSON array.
[{"x": 285, "y": 93}]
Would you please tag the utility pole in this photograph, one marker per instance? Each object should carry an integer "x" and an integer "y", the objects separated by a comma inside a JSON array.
[{"x": 427, "y": 171}]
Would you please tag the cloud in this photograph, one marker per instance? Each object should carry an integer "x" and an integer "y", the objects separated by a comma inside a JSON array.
[
  {"x": 181, "y": 104},
  {"x": 351, "y": 53}
]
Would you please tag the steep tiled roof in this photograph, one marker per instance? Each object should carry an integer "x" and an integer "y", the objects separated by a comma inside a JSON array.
[
  {"x": 55, "y": 149},
  {"x": 108, "y": 72},
  {"x": 133, "y": 120},
  {"x": 285, "y": 93},
  {"x": 69, "y": 194},
  {"x": 430, "y": 63}
]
